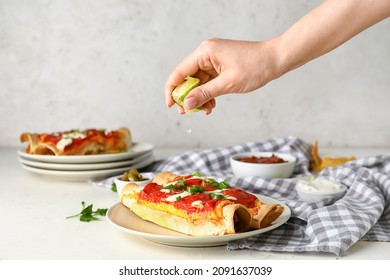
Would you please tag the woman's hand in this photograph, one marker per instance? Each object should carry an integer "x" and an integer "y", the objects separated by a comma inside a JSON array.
[{"x": 223, "y": 66}]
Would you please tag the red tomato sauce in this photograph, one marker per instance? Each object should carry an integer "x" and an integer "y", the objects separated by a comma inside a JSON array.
[
  {"x": 152, "y": 192},
  {"x": 242, "y": 196},
  {"x": 185, "y": 203},
  {"x": 51, "y": 138}
]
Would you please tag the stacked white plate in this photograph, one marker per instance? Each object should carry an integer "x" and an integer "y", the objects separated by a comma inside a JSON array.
[{"x": 84, "y": 168}]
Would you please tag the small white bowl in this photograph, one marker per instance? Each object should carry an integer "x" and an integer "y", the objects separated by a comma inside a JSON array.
[
  {"x": 148, "y": 177},
  {"x": 313, "y": 190},
  {"x": 264, "y": 170}
]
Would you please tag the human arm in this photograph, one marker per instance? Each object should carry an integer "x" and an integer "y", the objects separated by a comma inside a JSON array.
[
  {"x": 228, "y": 66},
  {"x": 325, "y": 28}
]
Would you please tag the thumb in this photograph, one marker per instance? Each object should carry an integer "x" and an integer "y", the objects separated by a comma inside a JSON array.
[{"x": 203, "y": 93}]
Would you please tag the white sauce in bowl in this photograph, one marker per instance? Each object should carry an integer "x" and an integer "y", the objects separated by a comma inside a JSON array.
[{"x": 320, "y": 185}]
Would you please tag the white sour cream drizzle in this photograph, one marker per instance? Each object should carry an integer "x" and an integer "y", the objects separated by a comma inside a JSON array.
[
  {"x": 173, "y": 198},
  {"x": 67, "y": 139},
  {"x": 63, "y": 143},
  {"x": 165, "y": 190}
]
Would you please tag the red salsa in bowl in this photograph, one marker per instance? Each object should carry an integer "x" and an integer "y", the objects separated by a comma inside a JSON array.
[
  {"x": 262, "y": 159},
  {"x": 263, "y": 164}
]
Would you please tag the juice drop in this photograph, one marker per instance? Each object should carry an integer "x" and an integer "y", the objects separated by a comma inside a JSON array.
[{"x": 188, "y": 129}]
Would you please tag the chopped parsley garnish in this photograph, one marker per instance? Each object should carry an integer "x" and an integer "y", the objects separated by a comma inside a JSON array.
[
  {"x": 178, "y": 186},
  {"x": 178, "y": 198},
  {"x": 197, "y": 174},
  {"x": 216, "y": 195},
  {"x": 113, "y": 187},
  {"x": 220, "y": 185},
  {"x": 169, "y": 187},
  {"x": 87, "y": 214},
  {"x": 180, "y": 183},
  {"x": 195, "y": 189}
]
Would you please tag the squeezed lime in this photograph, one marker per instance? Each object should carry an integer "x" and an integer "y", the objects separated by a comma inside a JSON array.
[{"x": 181, "y": 91}]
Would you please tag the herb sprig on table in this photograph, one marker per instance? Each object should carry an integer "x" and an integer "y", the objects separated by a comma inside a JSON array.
[
  {"x": 87, "y": 214},
  {"x": 114, "y": 188}
]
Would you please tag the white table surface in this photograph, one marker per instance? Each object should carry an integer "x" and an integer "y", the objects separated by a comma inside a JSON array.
[{"x": 33, "y": 224}]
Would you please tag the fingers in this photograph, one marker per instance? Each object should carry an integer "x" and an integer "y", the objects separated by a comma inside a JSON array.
[
  {"x": 202, "y": 94},
  {"x": 209, "y": 106}
]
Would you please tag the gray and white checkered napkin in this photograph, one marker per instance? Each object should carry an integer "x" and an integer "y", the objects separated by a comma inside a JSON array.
[{"x": 325, "y": 226}]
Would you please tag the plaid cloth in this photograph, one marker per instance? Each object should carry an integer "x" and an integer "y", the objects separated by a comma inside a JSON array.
[{"x": 325, "y": 226}]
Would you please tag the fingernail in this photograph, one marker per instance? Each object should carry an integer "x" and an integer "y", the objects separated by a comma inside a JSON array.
[{"x": 189, "y": 103}]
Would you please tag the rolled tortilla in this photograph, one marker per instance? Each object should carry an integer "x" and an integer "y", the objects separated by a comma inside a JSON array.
[
  {"x": 228, "y": 218},
  {"x": 35, "y": 146},
  {"x": 266, "y": 215},
  {"x": 237, "y": 218}
]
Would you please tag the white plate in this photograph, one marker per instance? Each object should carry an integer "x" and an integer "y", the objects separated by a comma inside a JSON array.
[
  {"x": 125, "y": 220},
  {"x": 84, "y": 166},
  {"x": 136, "y": 150},
  {"x": 85, "y": 175}
]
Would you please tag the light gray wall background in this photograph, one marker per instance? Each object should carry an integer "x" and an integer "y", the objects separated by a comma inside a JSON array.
[{"x": 103, "y": 63}]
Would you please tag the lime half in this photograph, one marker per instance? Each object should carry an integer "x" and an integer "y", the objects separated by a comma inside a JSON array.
[{"x": 181, "y": 91}]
